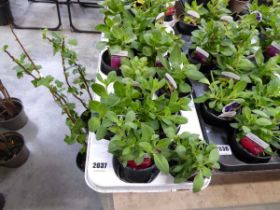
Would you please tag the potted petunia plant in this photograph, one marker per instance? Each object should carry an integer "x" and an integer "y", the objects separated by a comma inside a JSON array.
[
  {"x": 223, "y": 100},
  {"x": 256, "y": 132},
  {"x": 191, "y": 159}
]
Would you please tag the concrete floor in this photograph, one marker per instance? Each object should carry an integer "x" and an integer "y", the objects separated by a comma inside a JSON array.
[{"x": 50, "y": 179}]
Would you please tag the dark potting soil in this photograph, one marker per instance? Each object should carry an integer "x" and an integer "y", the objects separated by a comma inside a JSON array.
[{"x": 14, "y": 144}]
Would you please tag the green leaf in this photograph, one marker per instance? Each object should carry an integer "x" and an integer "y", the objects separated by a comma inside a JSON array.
[
  {"x": 259, "y": 57},
  {"x": 162, "y": 163},
  {"x": 147, "y": 132},
  {"x": 201, "y": 99},
  {"x": 263, "y": 122},
  {"x": 194, "y": 74},
  {"x": 5, "y": 47},
  {"x": 99, "y": 90},
  {"x": 146, "y": 146},
  {"x": 260, "y": 113},
  {"x": 93, "y": 124},
  {"x": 147, "y": 51},
  {"x": 180, "y": 150},
  {"x": 112, "y": 116},
  {"x": 73, "y": 42},
  {"x": 130, "y": 116},
  {"x": 206, "y": 172},
  {"x": 214, "y": 156},
  {"x": 101, "y": 132},
  {"x": 198, "y": 182}
]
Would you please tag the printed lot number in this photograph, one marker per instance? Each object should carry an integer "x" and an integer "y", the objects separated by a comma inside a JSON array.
[
  {"x": 224, "y": 150},
  {"x": 99, "y": 165}
]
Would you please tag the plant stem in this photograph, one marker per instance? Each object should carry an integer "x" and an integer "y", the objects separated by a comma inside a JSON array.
[
  {"x": 85, "y": 82},
  {"x": 25, "y": 52},
  {"x": 66, "y": 76}
]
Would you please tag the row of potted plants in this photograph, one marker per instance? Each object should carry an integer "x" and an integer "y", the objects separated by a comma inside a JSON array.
[
  {"x": 240, "y": 58},
  {"x": 13, "y": 151},
  {"x": 143, "y": 86}
]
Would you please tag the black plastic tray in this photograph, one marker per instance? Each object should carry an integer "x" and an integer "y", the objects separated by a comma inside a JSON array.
[{"x": 220, "y": 136}]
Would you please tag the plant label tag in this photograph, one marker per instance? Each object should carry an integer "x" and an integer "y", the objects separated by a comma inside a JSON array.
[
  {"x": 275, "y": 45},
  {"x": 193, "y": 14},
  {"x": 224, "y": 149},
  {"x": 170, "y": 82},
  {"x": 226, "y": 18},
  {"x": 122, "y": 53},
  {"x": 257, "y": 140},
  {"x": 258, "y": 15},
  {"x": 233, "y": 106},
  {"x": 228, "y": 115},
  {"x": 277, "y": 75},
  {"x": 230, "y": 75}
]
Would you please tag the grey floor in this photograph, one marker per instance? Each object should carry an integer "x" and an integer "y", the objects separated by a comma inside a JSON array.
[{"x": 50, "y": 179}]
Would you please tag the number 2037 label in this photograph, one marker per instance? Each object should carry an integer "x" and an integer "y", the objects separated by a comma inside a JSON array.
[{"x": 99, "y": 166}]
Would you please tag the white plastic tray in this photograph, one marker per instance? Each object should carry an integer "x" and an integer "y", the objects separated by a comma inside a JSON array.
[{"x": 104, "y": 180}]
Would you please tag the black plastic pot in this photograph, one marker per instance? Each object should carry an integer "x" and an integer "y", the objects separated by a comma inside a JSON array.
[
  {"x": 211, "y": 117},
  {"x": 265, "y": 2},
  {"x": 204, "y": 2},
  {"x": 206, "y": 67},
  {"x": 185, "y": 28},
  {"x": 85, "y": 116},
  {"x": 242, "y": 154},
  {"x": 162, "y": 91},
  {"x": 16, "y": 122},
  {"x": 106, "y": 64},
  {"x": 2, "y": 201},
  {"x": 135, "y": 176},
  {"x": 238, "y": 6},
  {"x": 81, "y": 161},
  {"x": 5, "y": 13},
  {"x": 20, "y": 153}
]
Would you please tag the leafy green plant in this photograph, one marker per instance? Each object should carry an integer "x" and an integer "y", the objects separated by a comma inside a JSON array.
[
  {"x": 78, "y": 86},
  {"x": 162, "y": 114},
  {"x": 135, "y": 142},
  {"x": 265, "y": 71},
  {"x": 228, "y": 42},
  {"x": 178, "y": 66},
  {"x": 157, "y": 42},
  {"x": 217, "y": 8},
  {"x": 124, "y": 23},
  {"x": 223, "y": 92},
  {"x": 194, "y": 7},
  {"x": 264, "y": 123},
  {"x": 192, "y": 156}
]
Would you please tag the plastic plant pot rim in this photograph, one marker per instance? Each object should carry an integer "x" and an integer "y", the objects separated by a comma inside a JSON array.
[
  {"x": 105, "y": 67},
  {"x": 135, "y": 170},
  {"x": 252, "y": 156},
  {"x": 210, "y": 112},
  {"x": 19, "y": 102},
  {"x": 11, "y": 133}
]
